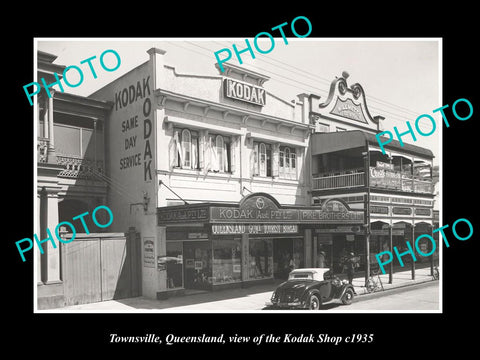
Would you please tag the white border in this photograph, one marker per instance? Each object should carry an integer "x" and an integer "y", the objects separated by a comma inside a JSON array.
[{"x": 333, "y": 39}]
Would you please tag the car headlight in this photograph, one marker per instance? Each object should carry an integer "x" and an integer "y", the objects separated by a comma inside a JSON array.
[{"x": 274, "y": 296}]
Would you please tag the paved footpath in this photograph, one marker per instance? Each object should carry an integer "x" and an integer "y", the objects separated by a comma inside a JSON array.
[{"x": 250, "y": 299}]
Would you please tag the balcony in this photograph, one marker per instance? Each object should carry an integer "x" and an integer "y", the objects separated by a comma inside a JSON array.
[
  {"x": 74, "y": 167},
  {"x": 339, "y": 180},
  {"x": 379, "y": 179},
  {"x": 399, "y": 181},
  {"x": 79, "y": 168}
]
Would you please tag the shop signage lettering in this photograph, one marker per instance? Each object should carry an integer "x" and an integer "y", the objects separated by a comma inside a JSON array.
[
  {"x": 132, "y": 93},
  {"x": 224, "y": 213},
  {"x": 259, "y": 209},
  {"x": 331, "y": 216},
  {"x": 384, "y": 165},
  {"x": 182, "y": 215},
  {"x": 402, "y": 210},
  {"x": 58, "y": 227},
  {"x": 242, "y": 91},
  {"x": 47, "y": 87},
  {"x": 349, "y": 110},
  {"x": 408, "y": 250},
  {"x": 148, "y": 253},
  {"x": 256, "y": 45},
  {"x": 384, "y": 178},
  {"x": 378, "y": 209},
  {"x": 382, "y": 141},
  {"x": 130, "y": 126},
  {"x": 423, "y": 212},
  {"x": 227, "y": 229},
  {"x": 385, "y": 232}
]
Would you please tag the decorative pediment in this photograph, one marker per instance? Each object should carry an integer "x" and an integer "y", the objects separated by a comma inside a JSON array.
[
  {"x": 346, "y": 103},
  {"x": 348, "y": 109}
]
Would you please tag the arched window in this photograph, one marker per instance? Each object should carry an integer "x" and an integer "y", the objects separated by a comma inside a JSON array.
[
  {"x": 219, "y": 144},
  {"x": 186, "y": 149},
  {"x": 263, "y": 159}
]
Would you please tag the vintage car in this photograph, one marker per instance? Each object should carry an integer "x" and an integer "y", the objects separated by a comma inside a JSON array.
[{"x": 310, "y": 289}]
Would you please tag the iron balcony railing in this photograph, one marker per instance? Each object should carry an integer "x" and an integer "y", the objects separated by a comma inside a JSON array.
[
  {"x": 345, "y": 179},
  {"x": 393, "y": 180},
  {"x": 74, "y": 167}
]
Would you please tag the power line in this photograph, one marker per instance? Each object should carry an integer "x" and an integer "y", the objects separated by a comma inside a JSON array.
[
  {"x": 317, "y": 77},
  {"x": 392, "y": 117}
]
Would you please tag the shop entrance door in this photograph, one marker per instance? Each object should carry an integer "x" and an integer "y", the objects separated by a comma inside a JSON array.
[
  {"x": 198, "y": 264},
  {"x": 282, "y": 254}
]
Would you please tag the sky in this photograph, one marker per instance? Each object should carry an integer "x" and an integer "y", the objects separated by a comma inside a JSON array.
[{"x": 401, "y": 77}]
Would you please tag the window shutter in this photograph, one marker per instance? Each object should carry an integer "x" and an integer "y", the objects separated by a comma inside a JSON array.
[
  {"x": 275, "y": 160},
  {"x": 194, "y": 153},
  {"x": 293, "y": 165},
  {"x": 255, "y": 162},
  {"x": 213, "y": 154},
  {"x": 201, "y": 150},
  {"x": 233, "y": 149},
  {"x": 225, "y": 157},
  {"x": 173, "y": 151}
]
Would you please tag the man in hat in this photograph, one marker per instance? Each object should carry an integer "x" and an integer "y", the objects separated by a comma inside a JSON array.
[{"x": 350, "y": 266}]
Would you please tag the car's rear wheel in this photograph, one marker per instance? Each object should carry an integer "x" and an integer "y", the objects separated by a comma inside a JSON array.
[
  {"x": 314, "y": 302},
  {"x": 347, "y": 298}
]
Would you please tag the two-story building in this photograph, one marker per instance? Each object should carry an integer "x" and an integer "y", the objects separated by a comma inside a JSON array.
[
  {"x": 394, "y": 190},
  {"x": 216, "y": 170},
  {"x": 70, "y": 164}
]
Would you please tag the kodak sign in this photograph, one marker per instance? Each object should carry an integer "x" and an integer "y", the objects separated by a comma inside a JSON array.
[{"x": 245, "y": 92}]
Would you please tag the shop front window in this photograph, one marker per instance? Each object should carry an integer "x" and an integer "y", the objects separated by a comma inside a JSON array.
[
  {"x": 260, "y": 259},
  {"x": 298, "y": 253},
  {"x": 174, "y": 263},
  {"x": 227, "y": 261},
  {"x": 198, "y": 265}
]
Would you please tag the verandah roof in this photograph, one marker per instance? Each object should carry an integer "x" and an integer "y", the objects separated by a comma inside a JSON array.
[{"x": 322, "y": 143}]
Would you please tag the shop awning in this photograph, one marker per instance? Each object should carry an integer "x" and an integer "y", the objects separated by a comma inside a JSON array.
[{"x": 322, "y": 143}]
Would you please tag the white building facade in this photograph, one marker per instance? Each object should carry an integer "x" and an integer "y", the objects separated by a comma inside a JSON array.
[{"x": 177, "y": 141}]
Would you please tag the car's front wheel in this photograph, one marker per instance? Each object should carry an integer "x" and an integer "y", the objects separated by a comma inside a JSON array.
[
  {"x": 314, "y": 302},
  {"x": 347, "y": 298}
]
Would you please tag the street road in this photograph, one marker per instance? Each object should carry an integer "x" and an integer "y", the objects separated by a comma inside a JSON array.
[
  {"x": 425, "y": 297},
  {"x": 419, "y": 297}
]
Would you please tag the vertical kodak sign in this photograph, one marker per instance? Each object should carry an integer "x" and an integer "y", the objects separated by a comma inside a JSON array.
[{"x": 147, "y": 132}]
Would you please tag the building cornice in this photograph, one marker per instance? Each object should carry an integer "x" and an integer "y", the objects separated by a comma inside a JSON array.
[{"x": 245, "y": 114}]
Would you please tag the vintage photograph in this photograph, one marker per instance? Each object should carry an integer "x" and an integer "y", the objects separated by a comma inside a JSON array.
[{"x": 169, "y": 179}]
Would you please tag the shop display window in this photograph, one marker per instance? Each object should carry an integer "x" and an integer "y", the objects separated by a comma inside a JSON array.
[
  {"x": 260, "y": 259},
  {"x": 298, "y": 253},
  {"x": 174, "y": 264},
  {"x": 227, "y": 261},
  {"x": 198, "y": 264}
]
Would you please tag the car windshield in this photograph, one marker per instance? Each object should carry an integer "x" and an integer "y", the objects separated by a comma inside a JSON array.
[{"x": 303, "y": 276}]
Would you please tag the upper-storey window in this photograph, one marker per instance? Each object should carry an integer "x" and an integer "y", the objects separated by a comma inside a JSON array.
[
  {"x": 288, "y": 163},
  {"x": 274, "y": 161},
  {"x": 186, "y": 149},
  {"x": 192, "y": 150},
  {"x": 221, "y": 152}
]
